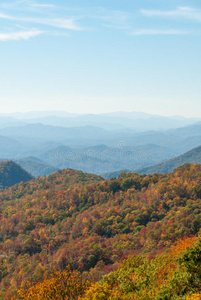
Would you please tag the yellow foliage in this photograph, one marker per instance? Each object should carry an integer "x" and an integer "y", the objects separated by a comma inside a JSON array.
[
  {"x": 194, "y": 297},
  {"x": 102, "y": 291},
  {"x": 61, "y": 285},
  {"x": 182, "y": 245}
]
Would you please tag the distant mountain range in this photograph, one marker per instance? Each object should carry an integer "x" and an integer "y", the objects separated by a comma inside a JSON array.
[
  {"x": 89, "y": 160},
  {"x": 178, "y": 140},
  {"x": 43, "y": 142},
  {"x": 193, "y": 156},
  {"x": 100, "y": 159},
  {"x": 138, "y": 121},
  {"x": 11, "y": 173}
]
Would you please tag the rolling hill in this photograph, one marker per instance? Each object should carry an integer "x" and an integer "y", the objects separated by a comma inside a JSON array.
[
  {"x": 179, "y": 140},
  {"x": 193, "y": 156},
  {"x": 101, "y": 158},
  {"x": 9, "y": 147},
  {"x": 36, "y": 166},
  {"x": 11, "y": 173}
]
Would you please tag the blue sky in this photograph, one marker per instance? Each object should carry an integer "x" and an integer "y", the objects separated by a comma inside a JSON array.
[{"x": 101, "y": 56}]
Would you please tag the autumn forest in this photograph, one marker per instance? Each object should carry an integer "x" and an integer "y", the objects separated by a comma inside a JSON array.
[{"x": 131, "y": 237}]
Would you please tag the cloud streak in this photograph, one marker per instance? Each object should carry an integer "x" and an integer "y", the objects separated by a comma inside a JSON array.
[
  {"x": 160, "y": 32},
  {"x": 20, "y": 35},
  {"x": 53, "y": 22},
  {"x": 43, "y": 5},
  {"x": 57, "y": 22},
  {"x": 113, "y": 18},
  {"x": 181, "y": 12}
]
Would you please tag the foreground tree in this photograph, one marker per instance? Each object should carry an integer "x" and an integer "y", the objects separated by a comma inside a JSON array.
[{"x": 64, "y": 285}]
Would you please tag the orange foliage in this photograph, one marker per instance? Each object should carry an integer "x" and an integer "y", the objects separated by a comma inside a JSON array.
[
  {"x": 181, "y": 245},
  {"x": 168, "y": 268}
]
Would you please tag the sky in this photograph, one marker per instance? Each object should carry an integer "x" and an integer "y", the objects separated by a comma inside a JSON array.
[{"x": 101, "y": 56}]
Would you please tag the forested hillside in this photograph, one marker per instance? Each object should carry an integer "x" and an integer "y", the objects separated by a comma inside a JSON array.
[
  {"x": 193, "y": 156},
  {"x": 173, "y": 275},
  {"x": 11, "y": 173},
  {"x": 91, "y": 224}
]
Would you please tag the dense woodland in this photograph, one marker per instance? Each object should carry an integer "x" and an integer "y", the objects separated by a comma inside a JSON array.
[
  {"x": 173, "y": 275},
  {"x": 92, "y": 225}
]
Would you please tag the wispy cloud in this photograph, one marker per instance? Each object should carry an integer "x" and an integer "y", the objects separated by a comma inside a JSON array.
[
  {"x": 16, "y": 5},
  {"x": 53, "y": 22},
  {"x": 3, "y": 16},
  {"x": 59, "y": 33},
  {"x": 43, "y": 5},
  {"x": 56, "y": 22},
  {"x": 160, "y": 32},
  {"x": 25, "y": 3},
  {"x": 115, "y": 18},
  {"x": 181, "y": 12},
  {"x": 21, "y": 35}
]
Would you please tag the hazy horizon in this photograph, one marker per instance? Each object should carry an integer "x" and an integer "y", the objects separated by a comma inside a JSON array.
[{"x": 52, "y": 112}]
